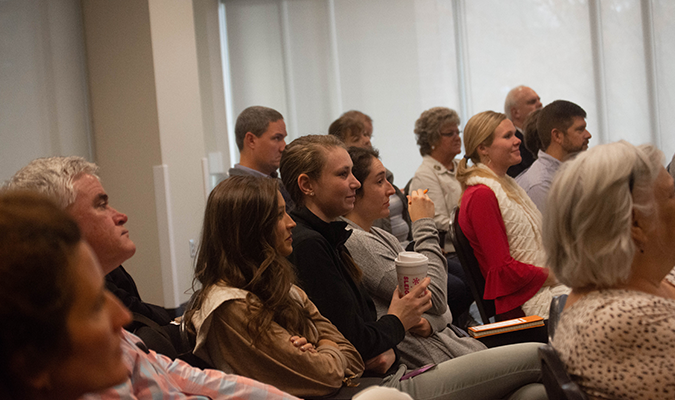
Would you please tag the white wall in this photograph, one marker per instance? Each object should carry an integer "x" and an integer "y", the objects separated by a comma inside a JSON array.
[
  {"x": 43, "y": 91},
  {"x": 147, "y": 121},
  {"x": 393, "y": 59},
  {"x": 157, "y": 83}
]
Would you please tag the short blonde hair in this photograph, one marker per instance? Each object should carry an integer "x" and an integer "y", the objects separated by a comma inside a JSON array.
[{"x": 589, "y": 213}]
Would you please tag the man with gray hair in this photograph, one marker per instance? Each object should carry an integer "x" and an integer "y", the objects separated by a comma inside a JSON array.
[
  {"x": 260, "y": 133},
  {"x": 519, "y": 103},
  {"x": 561, "y": 126},
  {"x": 73, "y": 184}
]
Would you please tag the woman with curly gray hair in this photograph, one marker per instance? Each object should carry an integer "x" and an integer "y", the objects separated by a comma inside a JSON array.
[
  {"x": 437, "y": 132},
  {"x": 609, "y": 230}
]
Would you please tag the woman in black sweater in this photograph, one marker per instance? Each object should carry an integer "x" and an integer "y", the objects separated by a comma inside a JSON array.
[{"x": 316, "y": 170}]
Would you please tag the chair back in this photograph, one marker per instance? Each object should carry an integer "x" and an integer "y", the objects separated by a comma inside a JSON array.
[
  {"x": 557, "y": 306},
  {"x": 471, "y": 267},
  {"x": 557, "y": 382}
]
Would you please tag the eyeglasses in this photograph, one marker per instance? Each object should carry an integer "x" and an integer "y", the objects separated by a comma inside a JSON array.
[{"x": 450, "y": 134}]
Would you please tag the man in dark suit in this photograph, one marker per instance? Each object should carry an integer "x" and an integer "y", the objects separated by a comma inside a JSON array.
[{"x": 519, "y": 103}]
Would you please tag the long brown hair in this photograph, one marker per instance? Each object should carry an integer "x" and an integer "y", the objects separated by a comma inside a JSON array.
[{"x": 238, "y": 248}]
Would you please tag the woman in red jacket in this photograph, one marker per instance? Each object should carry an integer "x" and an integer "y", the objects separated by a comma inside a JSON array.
[{"x": 501, "y": 222}]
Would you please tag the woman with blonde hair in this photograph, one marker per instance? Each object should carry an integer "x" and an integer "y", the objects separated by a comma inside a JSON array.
[
  {"x": 609, "y": 234},
  {"x": 501, "y": 222}
]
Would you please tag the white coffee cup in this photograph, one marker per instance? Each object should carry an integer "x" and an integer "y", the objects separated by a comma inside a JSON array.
[{"x": 411, "y": 269}]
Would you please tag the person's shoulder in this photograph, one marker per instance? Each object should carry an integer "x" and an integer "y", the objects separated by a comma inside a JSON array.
[
  {"x": 478, "y": 192},
  {"x": 622, "y": 315},
  {"x": 426, "y": 167},
  {"x": 234, "y": 171},
  {"x": 304, "y": 233}
]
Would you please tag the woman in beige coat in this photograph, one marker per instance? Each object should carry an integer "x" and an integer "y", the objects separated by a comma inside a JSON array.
[{"x": 249, "y": 317}]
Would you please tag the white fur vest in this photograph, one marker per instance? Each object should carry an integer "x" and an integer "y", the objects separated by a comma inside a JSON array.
[{"x": 522, "y": 220}]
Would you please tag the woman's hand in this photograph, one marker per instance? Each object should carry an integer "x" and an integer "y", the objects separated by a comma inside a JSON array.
[
  {"x": 381, "y": 363},
  {"x": 302, "y": 344},
  {"x": 423, "y": 328},
  {"x": 409, "y": 308},
  {"x": 420, "y": 205}
]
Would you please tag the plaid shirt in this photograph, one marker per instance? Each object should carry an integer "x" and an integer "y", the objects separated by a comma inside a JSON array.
[{"x": 154, "y": 376}]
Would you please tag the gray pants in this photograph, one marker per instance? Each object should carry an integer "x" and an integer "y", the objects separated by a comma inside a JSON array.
[{"x": 506, "y": 372}]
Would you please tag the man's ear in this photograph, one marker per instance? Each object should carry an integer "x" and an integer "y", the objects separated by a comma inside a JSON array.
[
  {"x": 557, "y": 135},
  {"x": 515, "y": 113},
  {"x": 250, "y": 140},
  {"x": 305, "y": 184}
]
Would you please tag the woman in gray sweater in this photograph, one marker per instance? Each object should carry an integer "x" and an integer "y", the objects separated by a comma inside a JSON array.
[{"x": 434, "y": 339}]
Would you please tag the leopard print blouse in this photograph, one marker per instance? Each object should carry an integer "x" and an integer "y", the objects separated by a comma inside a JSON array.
[{"x": 620, "y": 344}]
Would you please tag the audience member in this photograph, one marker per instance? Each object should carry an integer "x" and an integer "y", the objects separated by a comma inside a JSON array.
[
  {"x": 53, "y": 342},
  {"x": 374, "y": 251},
  {"x": 73, "y": 184},
  {"x": 398, "y": 221},
  {"x": 437, "y": 133},
  {"x": 530, "y": 134},
  {"x": 501, "y": 222},
  {"x": 608, "y": 232},
  {"x": 65, "y": 337},
  {"x": 433, "y": 340},
  {"x": 317, "y": 173},
  {"x": 354, "y": 128},
  {"x": 519, "y": 103},
  {"x": 561, "y": 126},
  {"x": 249, "y": 316},
  {"x": 260, "y": 133}
]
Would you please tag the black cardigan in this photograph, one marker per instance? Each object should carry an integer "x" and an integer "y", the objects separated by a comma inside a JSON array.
[{"x": 324, "y": 277}]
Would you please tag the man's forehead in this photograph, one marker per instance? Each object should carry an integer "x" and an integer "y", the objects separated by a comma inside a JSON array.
[
  {"x": 526, "y": 94},
  {"x": 88, "y": 185},
  {"x": 278, "y": 126},
  {"x": 579, "y": 121}
]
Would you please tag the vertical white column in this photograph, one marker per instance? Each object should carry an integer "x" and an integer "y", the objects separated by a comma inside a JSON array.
[
  {"x": 165, "y": 230},
  {"x": 335, "y": 56},
  {"x": 227, "y": 82},
  {"x": 291, "y": 117},
  {"x": 650, "y": 68},
  {"x": 599, "y": 69},
  {"x": 462, "y": 48}
]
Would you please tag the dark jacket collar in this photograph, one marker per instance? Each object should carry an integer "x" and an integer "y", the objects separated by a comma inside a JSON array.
[{"x": 334, "y": 232}]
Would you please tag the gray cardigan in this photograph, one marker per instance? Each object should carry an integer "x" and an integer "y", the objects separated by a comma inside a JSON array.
[{"x": 375, "y": 252}]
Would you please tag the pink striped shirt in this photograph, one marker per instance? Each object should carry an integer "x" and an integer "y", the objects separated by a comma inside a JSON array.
[{"x": 157, "y": 377}]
